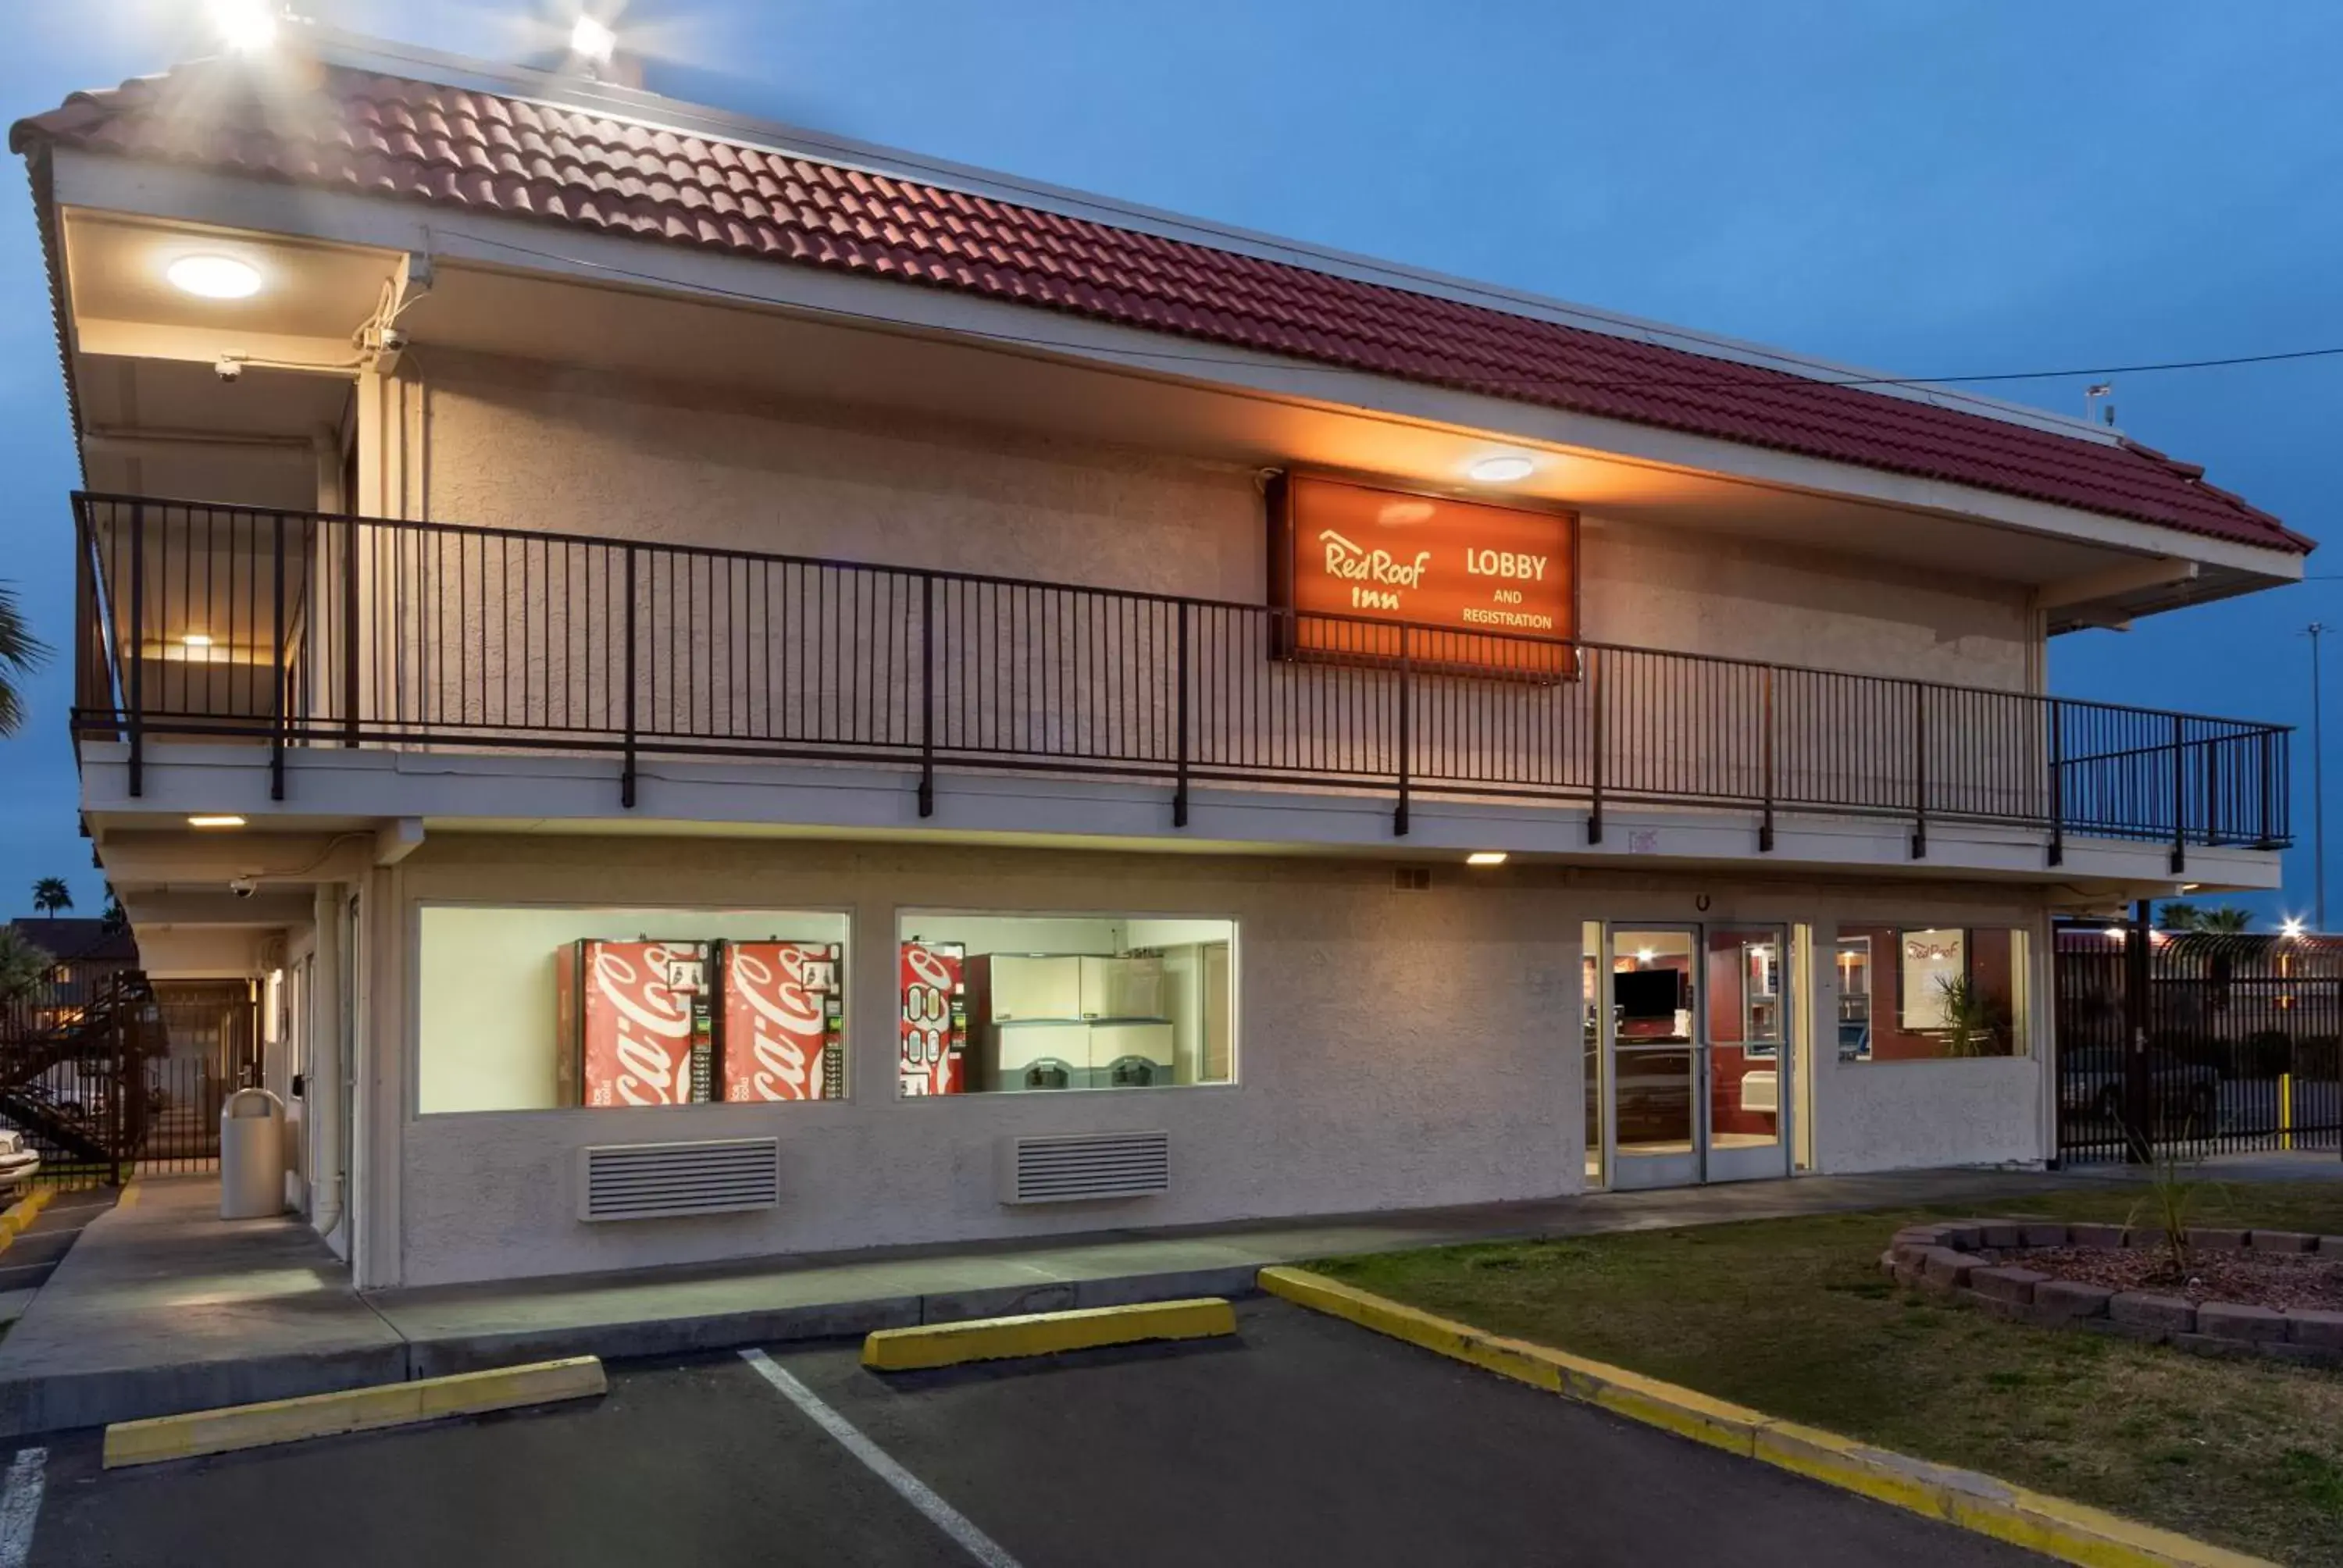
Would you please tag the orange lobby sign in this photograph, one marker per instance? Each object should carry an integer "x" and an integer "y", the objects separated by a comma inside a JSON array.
[{"x": 1349, "y": 559}]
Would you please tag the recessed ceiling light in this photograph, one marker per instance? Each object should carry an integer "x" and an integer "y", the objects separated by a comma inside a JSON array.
[
  {"x": 1501, "y": 469},
  {"x": 216, "y": 819},
  {"x": 215, "y": 277},
  {"x": 196, "y": 639},
  {"x": 1485, "y": 857},
  {"x": 593, "y": 40}
]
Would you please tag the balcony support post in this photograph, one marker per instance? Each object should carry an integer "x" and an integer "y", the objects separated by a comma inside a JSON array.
[
  {"x": 2058, "y": 783},
  {"x": 927, "y": 694},
  {"x": 276, "y": 670},
  {"x": 1179, "y": 675},
  {"x": 1919, "y": 771},
  {"x": 2179, "y": 795},
  {"x": 1595, "y": 769},
  {"x": 1406, "y": 724},
  {"x": 137, "y": 640},
  {"x": 349, "y": 532},
  {"x": 1766, "y": 718},
  {"x": 627, "y": 774}
]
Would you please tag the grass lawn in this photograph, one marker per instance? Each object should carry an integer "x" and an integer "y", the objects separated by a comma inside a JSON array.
[{"x": 1794, "y": 1318}]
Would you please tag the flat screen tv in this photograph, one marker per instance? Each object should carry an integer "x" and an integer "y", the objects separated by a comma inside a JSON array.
[{"x": 1649, "y": 995}]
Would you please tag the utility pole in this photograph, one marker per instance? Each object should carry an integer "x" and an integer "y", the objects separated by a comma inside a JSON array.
[{"x": 2318, "y": 784}]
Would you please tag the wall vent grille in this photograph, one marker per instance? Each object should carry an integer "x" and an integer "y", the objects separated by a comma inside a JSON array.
[
  {"x": 1071, "y": 1168},
  {"x": 1410, "y": 879},
  {"x": 663, "y": 1180}
]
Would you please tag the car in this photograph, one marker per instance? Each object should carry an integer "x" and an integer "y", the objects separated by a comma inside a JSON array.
[
  {"x": 19, "y": 1163},
  {"x": 2091, "y": 1082}
]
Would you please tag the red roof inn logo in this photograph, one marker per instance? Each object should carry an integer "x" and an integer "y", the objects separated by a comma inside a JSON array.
[{"x": 1348, "y": 558}]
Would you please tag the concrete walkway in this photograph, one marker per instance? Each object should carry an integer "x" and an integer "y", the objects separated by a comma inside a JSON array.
[{"x": 164, "y": 1307}]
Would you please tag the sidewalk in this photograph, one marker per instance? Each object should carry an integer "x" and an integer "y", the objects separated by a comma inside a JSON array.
[{"x": 164, "y": 1307}]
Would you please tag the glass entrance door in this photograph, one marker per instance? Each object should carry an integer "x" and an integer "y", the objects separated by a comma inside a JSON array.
[
  {"x": 1655, "y": 1077},
  {"x": 1697, "y": 1053}
]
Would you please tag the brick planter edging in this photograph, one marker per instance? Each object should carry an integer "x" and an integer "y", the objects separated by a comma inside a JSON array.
[{"x": 1966, "y": 1260}]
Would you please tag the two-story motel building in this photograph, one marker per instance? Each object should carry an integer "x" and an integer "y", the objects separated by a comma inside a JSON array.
[{"x": 748, "y": 694}]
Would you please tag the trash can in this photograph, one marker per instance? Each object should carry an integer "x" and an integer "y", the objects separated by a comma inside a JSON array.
[{"x": 251, "y": 1155}]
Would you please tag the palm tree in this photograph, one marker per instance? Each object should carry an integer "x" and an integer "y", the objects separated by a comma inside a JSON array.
[
  {"x": 50, "y": 896},
  {"x": 21, "y": 653},
  {"x": 2176, "y": 916},
  {"x": 2227, "y": 921}
]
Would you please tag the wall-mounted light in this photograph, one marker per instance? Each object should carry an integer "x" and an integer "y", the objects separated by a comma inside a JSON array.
[
  {"x": 1503, "y": 468},
  {"x": 196, "y": 639},
  {"x": 1485, "y": 857},
  {"x": 216, "y": 819},
  {"x": 1642, "y": 955},
  {"x": 593, "y": 40},
  {"x": 2115, "y": 933},
  {"x": 213, "y": 276},
  {"x": 2290, "y": 927}
]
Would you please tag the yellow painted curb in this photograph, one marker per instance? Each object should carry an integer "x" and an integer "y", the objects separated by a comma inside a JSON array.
[
  {"x": 129, "y": 1195},
  {"x": 2070, "y": 1532},
  {"x": 202, "y": 1432},
  {"x": 20, "y": 1215},
  {"x": 1045, "y": 1334}
]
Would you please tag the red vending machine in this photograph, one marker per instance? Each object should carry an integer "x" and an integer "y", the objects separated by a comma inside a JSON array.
[
  {"x": 635, "y": 1023},
  {"x": 782, "y": 1021},
  {"x": 935, "y": 1018}
]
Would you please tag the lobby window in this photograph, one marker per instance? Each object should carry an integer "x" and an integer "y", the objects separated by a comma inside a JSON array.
[
  {"x": 1044, "y": 1003},
  {"x": 542, "y": 1008},
  {"x": 1909, "y": 993}
]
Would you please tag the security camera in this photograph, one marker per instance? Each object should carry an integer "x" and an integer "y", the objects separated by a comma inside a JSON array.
[
  {"x": 243, "y": 887},
  {"x": 229, "y": 369}
]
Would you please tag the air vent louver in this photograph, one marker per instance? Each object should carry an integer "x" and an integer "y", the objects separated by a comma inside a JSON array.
[
  {"x": 663, "y": 1180},
  {"x": 1078, "y": 1166}
]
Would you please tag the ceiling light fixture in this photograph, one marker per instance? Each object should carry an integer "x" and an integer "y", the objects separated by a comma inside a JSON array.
[
  {"x": 216, "y": 819},
  {"x": 1501, "y": 469},
  {"x": 1485, "y": 857},
  {"x": 592, "y": 40},
  {"x": 196, "y": 639},
  {"x": 245, "y": 25},
  {"x": 213, "y": 276}
]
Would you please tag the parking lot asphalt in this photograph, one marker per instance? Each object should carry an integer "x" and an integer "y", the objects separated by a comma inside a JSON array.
[
  {"x": 31, "y": 1257},
  {"x": 1304, "y": 1439}
]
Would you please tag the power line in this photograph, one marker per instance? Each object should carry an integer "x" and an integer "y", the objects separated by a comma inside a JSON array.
[{"x": 1774, "y": 378}]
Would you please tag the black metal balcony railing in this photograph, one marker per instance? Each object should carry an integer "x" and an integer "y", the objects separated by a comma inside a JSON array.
[{"x": 304, "y": 629}]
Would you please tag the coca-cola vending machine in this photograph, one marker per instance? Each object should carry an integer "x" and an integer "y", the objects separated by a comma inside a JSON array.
[
  {"x": 782, "y": 1021},
  {"x": 935, "y": 1018},
  {"x": 637, "y": 1022}
]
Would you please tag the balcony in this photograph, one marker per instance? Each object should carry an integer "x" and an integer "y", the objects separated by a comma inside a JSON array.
[{"x": 287, "y": 631}]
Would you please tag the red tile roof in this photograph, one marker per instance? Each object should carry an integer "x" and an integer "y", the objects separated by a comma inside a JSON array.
[{"x": 476, "y": 151}]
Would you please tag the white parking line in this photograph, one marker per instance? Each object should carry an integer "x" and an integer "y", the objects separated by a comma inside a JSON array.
[
  {"x": 909, "y": 1487},
  {"x": 20, "y": 1505}
]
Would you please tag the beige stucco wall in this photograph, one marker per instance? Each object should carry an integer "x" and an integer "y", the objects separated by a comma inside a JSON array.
[
  {"x": 1394, "y": 1049},
  {"x": 524, "y": 445}
]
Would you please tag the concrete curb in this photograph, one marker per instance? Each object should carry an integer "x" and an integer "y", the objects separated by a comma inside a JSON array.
[
  {"x": 1045, "y": 1334},
  {"x": 2070, "y": 1532},
  {"x": 205, "y": 1432}
]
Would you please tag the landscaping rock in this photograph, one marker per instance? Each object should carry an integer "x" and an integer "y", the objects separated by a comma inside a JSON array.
[
  {"x": 2094, "y": 1235},
  {"x": 2330, "y": 1246},
  {"x": 2058, "y": 1301},
  {"x": 2217, "y": 1240},
  {"x": 2216, "y": 1345},
  {"x": 1963, "y": 1238},
  {"x": 2168, "y": 1314},
  {"x": 1949, "y": 1269},
  {"x": 2007, "y": 1283},
  {"x": 1919, "y": 1235},
  {"x": 2040, "y": 1233},
  {"x": 2144, "y": 1240},
  {"x": 2002, "y": 1234},
  {"x": 2284, "y": 1240},
  {"x": 2235, "y": 1320}
]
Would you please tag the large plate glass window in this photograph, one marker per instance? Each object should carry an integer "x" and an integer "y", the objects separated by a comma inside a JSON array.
[
  {"x": 1926, "y": 993},
  {"x": 1048, "y": 1003},
  {"x": 536, "y": 1008}
]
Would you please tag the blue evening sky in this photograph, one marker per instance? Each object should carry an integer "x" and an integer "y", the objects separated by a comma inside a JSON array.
[{"x": 1923, "y": 186}]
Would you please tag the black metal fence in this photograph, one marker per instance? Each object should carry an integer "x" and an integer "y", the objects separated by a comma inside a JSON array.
[
  {"x": 294, "y": 629},
  {"x": 2242, "y": 1044},
  {"x": 124, "y": 1076}
]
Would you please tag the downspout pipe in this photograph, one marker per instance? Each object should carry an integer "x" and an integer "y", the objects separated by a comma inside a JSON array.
[{"x": 328, "y": 1051}]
